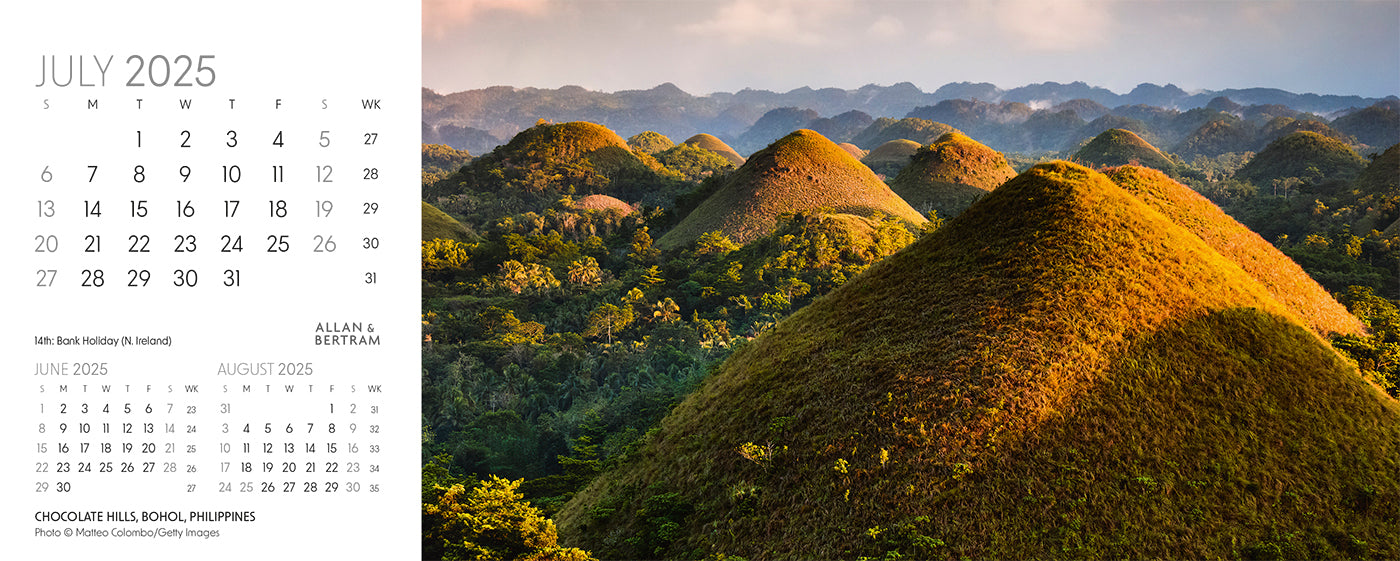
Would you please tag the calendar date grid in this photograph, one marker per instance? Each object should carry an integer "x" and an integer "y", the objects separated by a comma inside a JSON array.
[
  {"x": 169, "y": 437},
  {"x": 184, "y": 207}
]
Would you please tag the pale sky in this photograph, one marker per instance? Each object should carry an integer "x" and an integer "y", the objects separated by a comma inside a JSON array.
[{"x": 1346, "y": 47}]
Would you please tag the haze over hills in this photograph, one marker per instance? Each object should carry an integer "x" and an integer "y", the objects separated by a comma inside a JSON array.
[
  {"x": 468, "y": 119},
  {"x": 1060, "y": 370},
  {"x": 799, "y": 172}
]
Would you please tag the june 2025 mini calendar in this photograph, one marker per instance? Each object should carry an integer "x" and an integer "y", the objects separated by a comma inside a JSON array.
[{"x": 210, "y": 287}]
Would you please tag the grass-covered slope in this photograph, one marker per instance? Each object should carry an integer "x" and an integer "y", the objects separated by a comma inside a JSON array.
[
  {"x": 709, "y": 142},
  {"x": 853, "y": 150},
  {"x": 649, "y": 142},
  {"x": 1116, "y": 147},
  {"x": 801, "y": 171},
  {"x": 603, "y": 202},
  {"x": 1061, "y": 371},
  {"x": 951, "y": 173},
  {"x": 1294, "y": 154},
  {"x": 1289, "y": 284},
  {"x": 439, "y": 225},
  {"x": 889, "y": 158},
  {"x": 546, "y": 160}
]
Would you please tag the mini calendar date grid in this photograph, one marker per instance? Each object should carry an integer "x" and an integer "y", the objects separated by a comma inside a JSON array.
[{"x": 212, "y": 340}]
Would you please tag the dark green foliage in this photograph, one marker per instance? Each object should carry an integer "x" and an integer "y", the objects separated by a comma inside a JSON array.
[
  {"x": 488, "y": 521},
  {"x": 1376, "y": 353},
  {"x": 694, "y": 163}
]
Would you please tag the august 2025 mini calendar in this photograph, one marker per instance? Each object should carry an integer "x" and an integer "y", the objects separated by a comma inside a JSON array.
[{"x": 210, "y": 290}]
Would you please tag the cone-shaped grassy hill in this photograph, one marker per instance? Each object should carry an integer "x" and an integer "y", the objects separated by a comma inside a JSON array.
[
  {"x": 1060, "y": 371},
  {"x": 853, "y": 150},
  {"x": 1116, "y": 147},
  {"x": 564, "y": 142},
  {"x": 649, "y": 142},
  {"x": 889, "y": 158},
  {"x": 951, "y": 173},
  {"x": 1293, "y": 155},
  {"x": 801, "y": 171},
  {"x": 1280, "y": 275},
  {"x": 576, "y": 157},
  {"x": 709, "y": 142},
  {"x": 439, "y": 225},
  {"x": 603, "y": 202}
]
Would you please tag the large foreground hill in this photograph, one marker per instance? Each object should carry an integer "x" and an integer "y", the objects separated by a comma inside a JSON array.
[{"x": 1061, "y": 371}]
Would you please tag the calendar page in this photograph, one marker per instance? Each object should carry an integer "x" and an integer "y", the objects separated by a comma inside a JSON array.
[{"x": 210, "y": 219}]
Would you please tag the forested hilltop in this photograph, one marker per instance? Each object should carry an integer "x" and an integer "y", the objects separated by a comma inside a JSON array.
[{"x": 821, "y": 350}]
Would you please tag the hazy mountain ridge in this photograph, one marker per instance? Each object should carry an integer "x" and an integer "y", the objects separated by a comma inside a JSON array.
[{"x": 464, "y": 119}]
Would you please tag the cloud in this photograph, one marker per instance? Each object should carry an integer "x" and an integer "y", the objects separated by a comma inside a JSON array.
[
  {"x": 781, "y": 21},
  {"x": 886, "y": 27},
  {"x": 1067, "y": 25},
  {"x": 442, "y": 16}
]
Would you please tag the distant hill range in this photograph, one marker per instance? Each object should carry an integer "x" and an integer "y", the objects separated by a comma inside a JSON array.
[{"x": 1044, "y": 117}]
